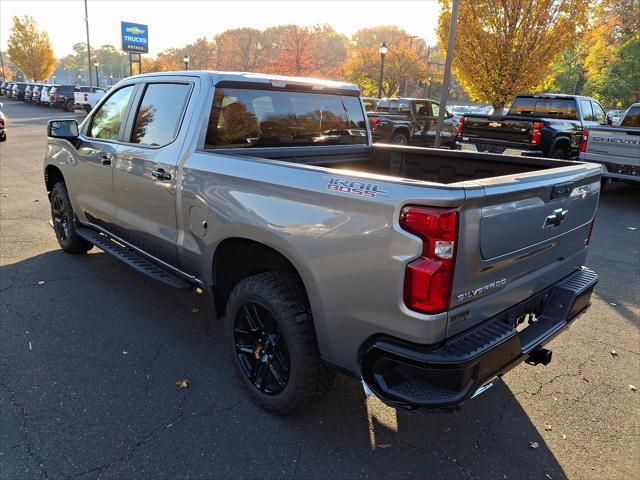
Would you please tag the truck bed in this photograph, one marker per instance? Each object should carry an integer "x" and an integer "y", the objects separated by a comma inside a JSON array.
[{"x": 414, "y": 163}]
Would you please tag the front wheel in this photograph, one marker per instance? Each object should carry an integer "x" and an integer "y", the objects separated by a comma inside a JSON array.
[
  {"x": 64, "y": 221},
  {"x": 69, "y": 106},
  {"x": 273, "y": 344}
]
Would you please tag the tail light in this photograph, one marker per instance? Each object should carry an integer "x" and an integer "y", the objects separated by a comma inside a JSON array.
[
  {"x": 375, "y": 124},
  {"x": 428, "y": 280},
  {"x": 584, "y": 140},
  {"x": 536, "y": 135},
  {"x": 460, "y": 125}
]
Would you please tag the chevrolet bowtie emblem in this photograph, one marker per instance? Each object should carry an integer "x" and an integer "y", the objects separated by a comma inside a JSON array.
[
  {"x": 556, "y": 218},
  {"x": 495, "y": 124}
]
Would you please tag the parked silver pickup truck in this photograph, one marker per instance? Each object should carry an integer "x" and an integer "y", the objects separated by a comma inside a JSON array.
[
  {"x": 426, "y": 273},
  {"x": 616, "y": 148}
]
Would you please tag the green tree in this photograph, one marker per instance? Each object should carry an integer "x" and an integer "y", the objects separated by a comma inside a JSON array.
[{"x": 30, "y": 49}]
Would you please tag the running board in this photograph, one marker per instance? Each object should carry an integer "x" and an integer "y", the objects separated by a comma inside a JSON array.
[{"x": 133, "y": 259}]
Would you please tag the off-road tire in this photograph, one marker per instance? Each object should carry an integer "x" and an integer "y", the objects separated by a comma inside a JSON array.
[
  {"x": 70, "y": 242},
  {"x": 283, "y": 296}
]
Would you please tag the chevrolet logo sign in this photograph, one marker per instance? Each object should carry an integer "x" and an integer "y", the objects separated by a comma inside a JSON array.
[
  {"x": 495, "y": 124},
  {"x": 134, "y": 30},
  {"x": 556, "y": 218}
]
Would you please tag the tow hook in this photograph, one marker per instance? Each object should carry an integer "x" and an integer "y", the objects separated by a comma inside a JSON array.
[{"x": 539, "y": 355}]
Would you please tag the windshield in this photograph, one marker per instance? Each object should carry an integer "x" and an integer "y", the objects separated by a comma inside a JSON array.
[
  {"x": 267, "y": 118},
  {"x": 544, "y": 107}
]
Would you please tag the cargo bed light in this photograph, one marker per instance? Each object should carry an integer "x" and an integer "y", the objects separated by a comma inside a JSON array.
[{"x": 428, "y": 280}]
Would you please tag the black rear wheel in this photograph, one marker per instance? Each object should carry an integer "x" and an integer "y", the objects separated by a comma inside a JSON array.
[
  {"x": 273, "y": 344},
  {"x": 399, "y": 139}
]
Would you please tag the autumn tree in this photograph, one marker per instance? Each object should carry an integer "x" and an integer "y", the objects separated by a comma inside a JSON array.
[
  {"x": 240, "y": 49},
  {"x": 507, "y": 47},
  {"x": 405, "y": 59},
  {"x": 30, "y": 49}
]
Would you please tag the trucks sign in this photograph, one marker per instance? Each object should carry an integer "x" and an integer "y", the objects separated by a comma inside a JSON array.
[{"x": 135, "y": 37}]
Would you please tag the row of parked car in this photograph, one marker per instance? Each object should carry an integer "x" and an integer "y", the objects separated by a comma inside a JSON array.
[{"x": 67, "y": 97}]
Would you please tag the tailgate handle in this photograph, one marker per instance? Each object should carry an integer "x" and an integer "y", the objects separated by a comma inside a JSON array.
[{"x": 561, "y": 190}]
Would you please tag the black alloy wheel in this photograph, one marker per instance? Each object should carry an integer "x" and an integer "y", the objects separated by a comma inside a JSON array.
[
  {"x": 261, "y": 348},
  {"x": 60, "y": 217}
]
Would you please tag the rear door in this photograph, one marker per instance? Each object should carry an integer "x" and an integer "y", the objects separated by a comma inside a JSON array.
[{"x": 146, "y": 168}]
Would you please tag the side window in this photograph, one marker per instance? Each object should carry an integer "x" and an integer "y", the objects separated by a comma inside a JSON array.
[
  {"x": 421, "y": 108},
  {"x": 587, "y": 112},
  {"x": 435, "y": 109},
  {"x": 107, "y": 120},
  {"x": 159, "y": 115},
  {"x": 632, "y": 117},
  {"x": 598, "y": 113}
]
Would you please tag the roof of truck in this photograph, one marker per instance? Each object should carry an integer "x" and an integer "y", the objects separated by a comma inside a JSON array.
[{"x": 258, "y": 78}]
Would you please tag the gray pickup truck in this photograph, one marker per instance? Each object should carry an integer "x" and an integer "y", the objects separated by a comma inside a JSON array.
[
  {"x": 616, "y": 148},
  {"x": 426, "y": 273}
]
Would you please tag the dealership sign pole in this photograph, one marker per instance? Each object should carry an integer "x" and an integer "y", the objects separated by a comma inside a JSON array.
[{"x": 135, "y": 41}]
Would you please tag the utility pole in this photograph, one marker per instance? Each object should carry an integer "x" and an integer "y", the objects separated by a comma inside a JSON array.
[
  {"x": 2, "y": 63},
  {"x": 86, "y": 21},
  {"x": 447, "y": 70}
]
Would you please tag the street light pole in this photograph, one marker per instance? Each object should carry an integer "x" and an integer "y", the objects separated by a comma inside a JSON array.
[
  {"x": 383, "y": 52},
  {"x": 185, "y": 59},
  {"x": 446, "y": 82},
  {"x": 86, "y": 21},
  {"x": 96, "y": 65}
]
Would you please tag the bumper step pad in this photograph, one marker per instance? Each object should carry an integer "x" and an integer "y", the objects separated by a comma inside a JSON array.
[
  {"x": 423, "y": 378},
  {"x": 133, "y": 259}
]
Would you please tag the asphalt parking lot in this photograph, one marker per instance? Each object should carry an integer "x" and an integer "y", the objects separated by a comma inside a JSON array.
[{"x": 91, "y": 351}]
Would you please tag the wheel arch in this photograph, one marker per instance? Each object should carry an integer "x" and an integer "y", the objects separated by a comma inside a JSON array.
[
  {"x": 561, "y": 142},
  {"x": 52, "y": 175}
]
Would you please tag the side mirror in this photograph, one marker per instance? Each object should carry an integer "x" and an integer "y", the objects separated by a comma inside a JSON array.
[{"x": 67, "y": 129}]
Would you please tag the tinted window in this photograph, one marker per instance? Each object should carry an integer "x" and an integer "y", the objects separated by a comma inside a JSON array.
[
  {"x": 387, "y": 106},
  {"x": 587, "y": 111},
  {"x": 632, "y": 117},
  {"x": 435, "y": 109},
  {"x": 598, "y": 112},
  {"x": 267, "y": 118},
  {"x": 422, "y": 108},
  {"x": 109, "y": 117},
  {"x": 159, "y": 114},
  {"x": 544, "y": 107}
]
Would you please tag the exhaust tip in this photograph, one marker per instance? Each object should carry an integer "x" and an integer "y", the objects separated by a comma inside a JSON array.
[{"x": 540, "y": 356}]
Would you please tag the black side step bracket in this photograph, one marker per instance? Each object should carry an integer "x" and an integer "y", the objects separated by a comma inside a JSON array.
[{"x": 133, "y": 259}]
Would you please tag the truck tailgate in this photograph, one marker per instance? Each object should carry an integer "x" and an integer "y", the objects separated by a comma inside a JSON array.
[
  {"x": 497, "y": 128},
  {"x": 520, "y": 236},
  {"x": 620, "y": 142}
]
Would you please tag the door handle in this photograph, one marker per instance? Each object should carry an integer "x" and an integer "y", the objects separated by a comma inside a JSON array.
[
  {"x": 160, "y": 174},
  {"x": 104, "y": 160}
]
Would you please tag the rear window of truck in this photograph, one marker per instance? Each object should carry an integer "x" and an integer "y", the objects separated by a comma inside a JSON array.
[
  {"x": 544, "y": 107},
  {"x": 632, "y": 118},
  {"x": 242, "y": 118}
]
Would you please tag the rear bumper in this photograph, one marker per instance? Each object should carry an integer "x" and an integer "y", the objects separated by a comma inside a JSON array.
[
  {"x": 423, "y": 378},
  {"x": 508, "y": 148}
]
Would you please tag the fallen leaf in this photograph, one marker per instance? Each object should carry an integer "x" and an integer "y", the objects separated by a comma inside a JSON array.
[
  {"x": 632, "y": 228},
  {"x": 195, "y": 309},
  {"x": 533, "y": 444},
  {"x": 548, "y": 427},
  {"x": 583, "y": 377},
  {"x": 124, "y": 352},
  {"x": 199, "y": 291},
  {"x": 613, "y": 304},
  {"x": 36, "y": 200},
  {"x": 383, "y": 445},
  {"x": 613, "y": 353},
  {"x": 5, "y": 196},
  {"x": 548, "y": 476},
  {"x": 633, "y": 388},
  {"x": 41, "y": 282},
  {"x": 184, "y": 383},
  {"x": 555, "y": 399},
  {"x": 564, "y": 437}
]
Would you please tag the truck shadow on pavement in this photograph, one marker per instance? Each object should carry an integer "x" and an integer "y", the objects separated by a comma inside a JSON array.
[{"x": 91, "y": 354}]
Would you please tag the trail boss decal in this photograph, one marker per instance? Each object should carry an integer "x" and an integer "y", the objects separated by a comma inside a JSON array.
[{"x": 353, "y": 187}]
